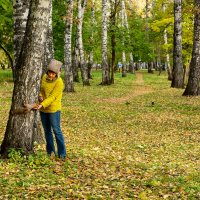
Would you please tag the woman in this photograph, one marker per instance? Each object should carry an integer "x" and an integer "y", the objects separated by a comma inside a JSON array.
[{"x": 50, "y": 107}]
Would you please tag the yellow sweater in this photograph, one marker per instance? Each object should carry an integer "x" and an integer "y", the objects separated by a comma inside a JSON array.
[{"x": 52, "y": 94}]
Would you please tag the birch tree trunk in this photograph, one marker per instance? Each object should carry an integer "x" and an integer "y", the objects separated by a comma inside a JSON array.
[
  {"x": 125, "y": 25},
  {"x": 149, "y": 63},
  {"x": 123, "y": 53},
  {"x": 49, "y": 48},
  {"x": 105, "y": 66},
  {"x": 20, "y": 15},
  {"x": 169, "y": 70},
  {"x": 91, "y": 56},
  {"x": 75, "y": 63},
  {"x": 177, "y": 72},
  {"x": 81, "y": 10},
  {"x": 90, "y": 64},
  {"x": 21, "y": 127},
  {"x": 76, "y": 57},
  {"x": 69, "y": 85},
  {"x": 193, "y": 88},
  {"x": 113, "y": 14},
  {"x": 132, "y": 65},
  {"x": 21, "y": 10},
  {"x": 124, "y": 64}
]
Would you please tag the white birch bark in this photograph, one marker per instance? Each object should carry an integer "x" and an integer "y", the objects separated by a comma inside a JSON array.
[
  {"x": 21, "y": 11},
  {"x": 20, "y": 128},
  {"x": 49, "y": 47},
  {"x": 81, "y": 10},
  {"x": 105, "y": 67},
  {"x": 69, "y": 85},
  {"x": 20, "y": 15},
  {"x": 131, "y": 61},
  {"x": 125, "y": 25}
]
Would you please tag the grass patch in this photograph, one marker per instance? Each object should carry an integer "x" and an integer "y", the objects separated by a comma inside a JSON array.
[
  {"x": 6, "y": 75},
  {"x": 119, "y": 144}
]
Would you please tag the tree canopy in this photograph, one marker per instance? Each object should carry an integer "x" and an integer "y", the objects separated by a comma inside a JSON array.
[{"x": 158, "y": 21}]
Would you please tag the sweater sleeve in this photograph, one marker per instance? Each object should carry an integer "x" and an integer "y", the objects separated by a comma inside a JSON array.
[{"x": 58, "y": 89}]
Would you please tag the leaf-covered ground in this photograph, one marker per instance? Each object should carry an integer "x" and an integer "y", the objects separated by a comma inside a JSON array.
[{"x": 136, "y": 139}]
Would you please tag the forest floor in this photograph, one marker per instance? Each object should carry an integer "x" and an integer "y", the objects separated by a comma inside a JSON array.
[{"x": 136, "y": 139}]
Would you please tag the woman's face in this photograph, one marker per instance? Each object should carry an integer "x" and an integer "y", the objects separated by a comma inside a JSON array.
[{"x": 51, "y": 75}]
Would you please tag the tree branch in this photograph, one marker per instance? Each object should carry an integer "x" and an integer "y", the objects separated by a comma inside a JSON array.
[{"x": 8, "y": 55}]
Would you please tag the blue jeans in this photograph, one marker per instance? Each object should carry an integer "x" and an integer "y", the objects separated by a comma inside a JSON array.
[{"x": 51, "y": 121}]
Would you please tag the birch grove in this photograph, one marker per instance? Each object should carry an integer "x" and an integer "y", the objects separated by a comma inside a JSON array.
[{"x": 97, "y": 38}]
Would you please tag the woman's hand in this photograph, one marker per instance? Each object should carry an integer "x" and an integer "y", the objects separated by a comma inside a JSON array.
[
  {"x": 41, "y": 99},
  {"x": 37, "y": 106}
]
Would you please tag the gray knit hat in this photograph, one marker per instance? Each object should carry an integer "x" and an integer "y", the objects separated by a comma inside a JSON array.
[{"x": 55, "y": 66}]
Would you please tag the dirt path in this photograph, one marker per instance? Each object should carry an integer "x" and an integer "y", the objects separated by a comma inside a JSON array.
[
  {"x": 139, "y": 78},
  {"x": 138, "y": 88}
]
